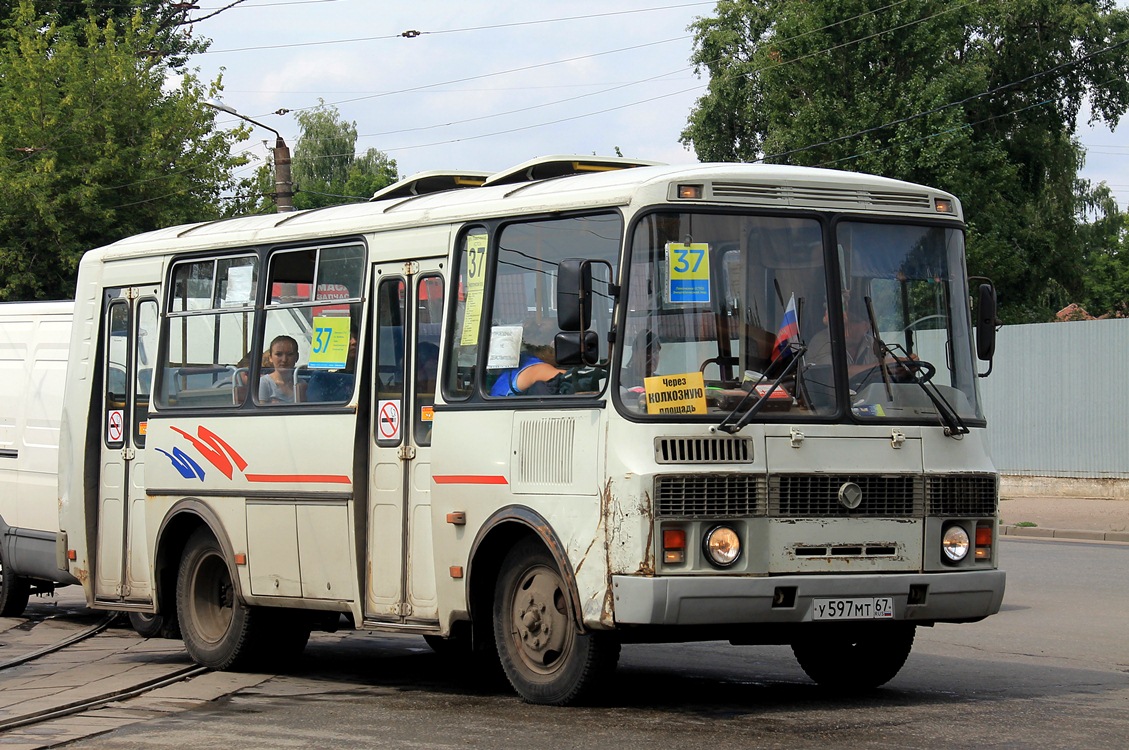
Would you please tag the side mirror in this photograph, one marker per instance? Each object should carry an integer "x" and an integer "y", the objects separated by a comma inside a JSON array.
[
  {"x": 577, "y": 348},
  {"x": 574, "y": 294},
  {"x": 986, "y": 323}
]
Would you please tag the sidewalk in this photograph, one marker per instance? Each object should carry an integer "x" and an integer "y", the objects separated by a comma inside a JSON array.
[{"x": 1081, "y": 518}]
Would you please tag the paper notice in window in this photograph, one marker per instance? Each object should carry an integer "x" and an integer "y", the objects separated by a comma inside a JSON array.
[
  {"x": 238, "y": 292},
  {"x": 505, "y": 347}
]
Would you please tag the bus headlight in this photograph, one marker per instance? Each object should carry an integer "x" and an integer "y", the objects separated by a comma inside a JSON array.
[
  {"x": 722, "y": 546},
  {"x": 955, "y": 543}
]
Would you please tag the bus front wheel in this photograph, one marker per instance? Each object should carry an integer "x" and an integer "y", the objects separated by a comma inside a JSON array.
[
  {"x": 544, "y": 656},
  {"x": 216, "y": 626},
  {"x": 855, "y": 657}
]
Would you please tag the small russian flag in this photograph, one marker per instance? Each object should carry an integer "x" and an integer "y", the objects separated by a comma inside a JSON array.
[{"x": 789, "y": 331}]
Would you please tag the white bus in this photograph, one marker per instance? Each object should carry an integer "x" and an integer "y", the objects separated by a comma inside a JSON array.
[{"x": 574, "y": 404}]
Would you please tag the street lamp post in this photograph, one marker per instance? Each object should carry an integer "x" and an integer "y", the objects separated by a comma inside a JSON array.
[{"x": 283, "y": 188}]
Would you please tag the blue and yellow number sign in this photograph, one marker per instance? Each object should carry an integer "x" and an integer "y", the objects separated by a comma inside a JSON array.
[
  {"x": 688, "y": 271},
  {"x": 330, "y": 344}
]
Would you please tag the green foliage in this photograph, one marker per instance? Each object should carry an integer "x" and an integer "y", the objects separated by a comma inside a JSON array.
[
  {"x": 978, "y": 98},
  {"x": 165, "y": 18},
  {"x": 93, "y": 148},
  {"x": 1105, "y": 244},
  {"x": 325, "y": 167}
]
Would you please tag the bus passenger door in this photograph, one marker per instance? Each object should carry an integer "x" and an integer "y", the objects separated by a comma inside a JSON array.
[
  {"x": 401, "y": 572},
  {"x": 129, "y": 352}
]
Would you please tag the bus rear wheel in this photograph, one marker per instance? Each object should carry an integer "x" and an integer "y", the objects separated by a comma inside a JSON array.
[
  {"x": 855, "y": 657},
  {"x": 217, "y": 628},
  {"x": 14, "y": 591},
  {"x": 544, "y": 656}
]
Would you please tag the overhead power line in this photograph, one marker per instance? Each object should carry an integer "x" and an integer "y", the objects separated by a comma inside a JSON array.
[{"x": 414, "y": 33}]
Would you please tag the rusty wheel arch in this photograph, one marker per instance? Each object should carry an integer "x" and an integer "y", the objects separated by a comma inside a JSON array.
[{"x": 494, "y": 539}]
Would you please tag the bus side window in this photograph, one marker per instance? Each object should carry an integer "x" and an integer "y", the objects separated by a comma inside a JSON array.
[
  {"x": 144, "y": 350},
  {"x": 209, "y": 321},
  {"x": 429, "y": 316}
]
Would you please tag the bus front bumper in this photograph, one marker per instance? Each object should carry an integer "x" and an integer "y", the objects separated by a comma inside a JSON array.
[{"x": 730, "y": 600}]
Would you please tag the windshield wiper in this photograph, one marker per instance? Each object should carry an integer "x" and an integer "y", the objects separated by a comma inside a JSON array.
[
  {"x": 731, "y": 424},
  {"x": 920, "y": 373}
]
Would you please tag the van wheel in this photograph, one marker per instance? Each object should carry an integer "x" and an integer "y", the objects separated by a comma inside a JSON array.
[
  {"x": 218, "y": 629},
  {"x": 545, "y": 657},
  {"x": 154, "y": 626},
  {"x": 855, "y": 657},
  {"x": 14, "y": 592}
]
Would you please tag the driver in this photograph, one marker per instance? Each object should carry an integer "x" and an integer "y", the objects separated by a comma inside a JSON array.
[
  {"x": 537, "y": 363},
  {"x": 859, "y": 349},
  {"x": 859, "y": 338}
]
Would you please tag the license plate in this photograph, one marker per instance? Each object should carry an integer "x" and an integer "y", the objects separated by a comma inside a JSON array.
[{"x": 862, "y": 608}]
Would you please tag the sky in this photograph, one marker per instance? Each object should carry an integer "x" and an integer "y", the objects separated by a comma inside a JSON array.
[{"x": 487, "y": 85}]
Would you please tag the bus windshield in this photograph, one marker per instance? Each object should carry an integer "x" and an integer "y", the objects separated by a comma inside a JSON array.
[{"x": 728, "y": 310}]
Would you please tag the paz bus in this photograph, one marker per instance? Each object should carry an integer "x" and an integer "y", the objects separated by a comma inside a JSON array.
[{"x": 697, "y": 466}]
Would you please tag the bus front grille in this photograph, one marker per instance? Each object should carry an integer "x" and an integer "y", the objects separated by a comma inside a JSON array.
[
  {"x": 962, "y": 494},
  {"x": 703, "y": 450},
  {"x": 703, "y": 495},
  {"x": 817, "y": 495}
]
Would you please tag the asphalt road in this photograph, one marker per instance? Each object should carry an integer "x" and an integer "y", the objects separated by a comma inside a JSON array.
[{"x": 1050, "y": 671}]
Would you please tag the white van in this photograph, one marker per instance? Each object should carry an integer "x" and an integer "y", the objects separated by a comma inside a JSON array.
[{"x": 34, "y": 338}]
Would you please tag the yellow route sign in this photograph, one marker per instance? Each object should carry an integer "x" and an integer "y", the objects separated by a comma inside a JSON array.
[
  {"x": 676, "y": 394},
  {"x": 329, "y": 346},
  {"x": 688, "y": 272}
]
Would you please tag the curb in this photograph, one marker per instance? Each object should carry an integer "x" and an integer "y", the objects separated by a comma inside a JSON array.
[{"x": 1081, "y": 535}]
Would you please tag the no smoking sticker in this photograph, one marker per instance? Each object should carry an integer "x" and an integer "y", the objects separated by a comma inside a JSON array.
[
  {"x": 115, "y": 426},
  {"x": 388, "y": 420}
]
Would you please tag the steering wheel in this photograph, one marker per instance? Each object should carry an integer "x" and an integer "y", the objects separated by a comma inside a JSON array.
[
  {"x": 586, "y": 378},
  {"x": 901, "y": 371},
  {"x": 913, "y": 326}
]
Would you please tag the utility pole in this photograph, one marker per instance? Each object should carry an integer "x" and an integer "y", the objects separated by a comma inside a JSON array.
[{"x": 283, "y": 187}]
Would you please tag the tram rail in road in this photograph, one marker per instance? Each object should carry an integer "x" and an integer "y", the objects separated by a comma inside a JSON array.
[
  {"x": 82, "y": 635},
  {"x": 67, "y": 663}
]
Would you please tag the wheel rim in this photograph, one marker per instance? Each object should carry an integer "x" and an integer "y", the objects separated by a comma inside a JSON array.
[
  {"x": 213, "y": 598},
  {"x": 540, "y": 626}
]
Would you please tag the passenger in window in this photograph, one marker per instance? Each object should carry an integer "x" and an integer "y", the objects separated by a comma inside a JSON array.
[
  {"x": 536, "y": 366},
  {"x": 427, "y": 367},
  {"x": 278, "y": 386},
  {"x": 336, "y": 385}
]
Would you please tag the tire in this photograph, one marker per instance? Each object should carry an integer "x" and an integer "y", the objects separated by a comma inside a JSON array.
[
  {"x": 154, "y": 626},
  {"x": 450, "y": 647},
  {"x": 217, "y": 628},
  {"x": 544, "y": 656},
  {"x": 282, "y": 638},
  {"x": 854, "y": 658},
  {"x": 14, "y": 592}
]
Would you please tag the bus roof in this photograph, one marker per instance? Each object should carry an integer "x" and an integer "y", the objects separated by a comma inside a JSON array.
[{"x": 559, "y": 189}]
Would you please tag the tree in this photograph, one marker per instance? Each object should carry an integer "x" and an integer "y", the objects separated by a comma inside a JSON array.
[
  {"x": 93, "y": 148},
  {"x": 325, "y": 167},
  {"x": 1105, "y": 243},
  {"x": 166, "y": 18},
  {"x": 980, "y": 99}
]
